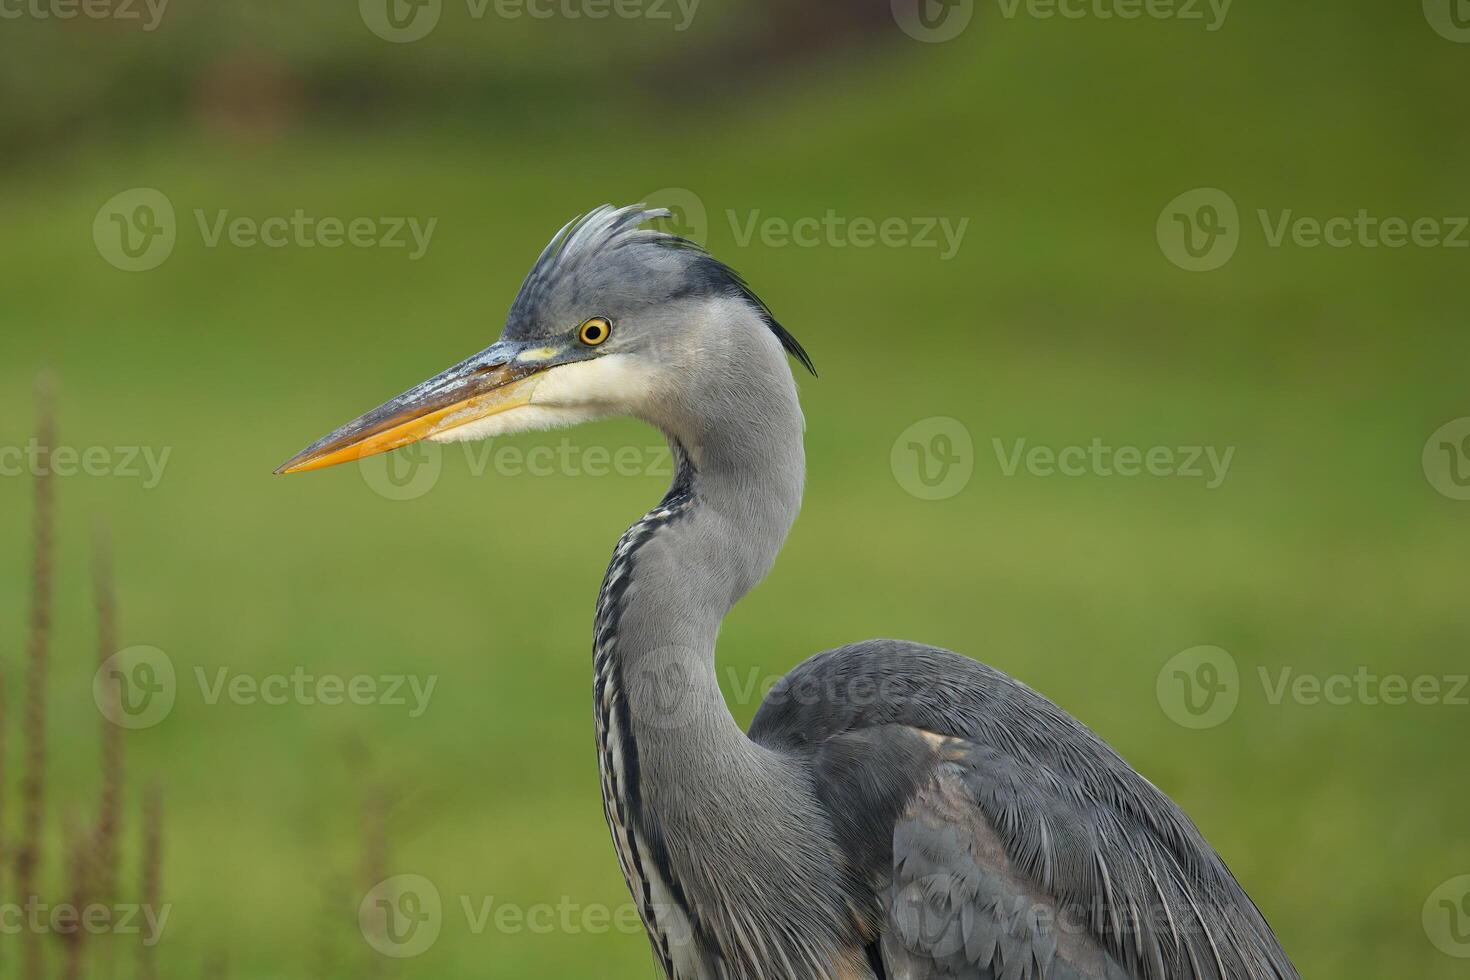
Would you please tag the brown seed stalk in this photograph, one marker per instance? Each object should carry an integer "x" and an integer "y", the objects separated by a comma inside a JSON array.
[{"x": 33, "y": 782}]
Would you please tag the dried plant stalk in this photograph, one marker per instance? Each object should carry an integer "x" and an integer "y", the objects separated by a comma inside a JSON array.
[
  {"x": 78, "y": 872},
  {"x": 109, "y": 802},
  {"x": 33, "y": 784},
  {"x": 92, "y": 853},
  {"x": 109, "y": 805},
  {"x": 151, "y": 887}
]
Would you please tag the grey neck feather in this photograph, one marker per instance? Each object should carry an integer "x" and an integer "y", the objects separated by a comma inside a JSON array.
[
  {"x": 677, "y": 767},
  {"x": 736, "y": 427}
]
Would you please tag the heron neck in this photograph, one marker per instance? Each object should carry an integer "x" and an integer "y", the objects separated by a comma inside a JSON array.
[
  {"x": 670, "y": 753},
  {"x": 676, "y": 573},
  {"x": 679, "y": 571}
]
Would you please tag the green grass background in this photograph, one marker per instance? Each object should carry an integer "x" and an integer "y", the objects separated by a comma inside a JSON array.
[{"x": 1059, "y": 320}]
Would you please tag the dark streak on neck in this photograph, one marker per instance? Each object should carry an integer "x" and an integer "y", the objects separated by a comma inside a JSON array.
[{"x": 627, "y": 796}]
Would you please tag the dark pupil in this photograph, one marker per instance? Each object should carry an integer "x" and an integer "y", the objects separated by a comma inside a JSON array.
[{"x": 594, "y": 332}]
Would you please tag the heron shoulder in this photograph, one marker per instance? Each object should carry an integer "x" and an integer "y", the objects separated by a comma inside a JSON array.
[{"x": 994, "y": 828}]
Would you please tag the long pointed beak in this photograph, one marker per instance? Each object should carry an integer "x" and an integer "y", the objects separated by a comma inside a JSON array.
[{"x": 497, "y": 380}]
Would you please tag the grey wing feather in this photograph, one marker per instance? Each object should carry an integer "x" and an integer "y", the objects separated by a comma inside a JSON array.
[
  {"x": 1018, "y": 844},
  {"x": 958, "y": 908}
]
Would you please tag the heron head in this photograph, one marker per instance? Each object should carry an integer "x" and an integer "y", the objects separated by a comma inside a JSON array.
[{"x": 613, "y": 319}]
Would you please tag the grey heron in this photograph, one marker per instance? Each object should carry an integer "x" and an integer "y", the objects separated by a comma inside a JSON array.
[{"x": 896, "y": 810}]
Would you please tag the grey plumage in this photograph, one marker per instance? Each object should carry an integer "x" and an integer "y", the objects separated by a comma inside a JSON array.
[
  {"x": 606, "y": 260},
  {"x": 1022, "y": 826},
  {"x": 897, "y": 811}
]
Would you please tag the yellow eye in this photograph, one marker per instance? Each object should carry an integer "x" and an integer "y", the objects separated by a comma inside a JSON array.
[{"x": 595, "y": 331}]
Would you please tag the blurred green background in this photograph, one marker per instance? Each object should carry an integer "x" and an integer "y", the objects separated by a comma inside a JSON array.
[{"x": 1329, "y": 548}]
